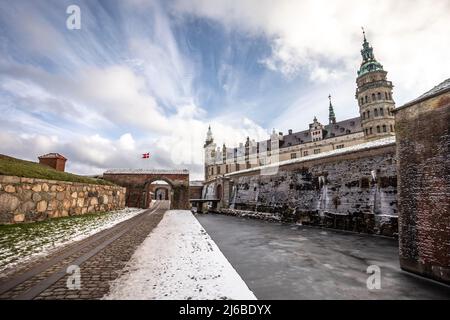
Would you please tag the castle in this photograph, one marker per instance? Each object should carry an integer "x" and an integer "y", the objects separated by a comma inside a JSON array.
[{"x": 376, "y": 120}]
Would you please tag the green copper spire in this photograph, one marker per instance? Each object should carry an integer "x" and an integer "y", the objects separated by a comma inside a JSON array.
[
  {"x": 369, "y": 62},
  {"x": 331, "y": 116}
]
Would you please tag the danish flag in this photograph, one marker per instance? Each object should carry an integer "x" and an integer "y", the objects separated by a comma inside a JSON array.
[{"x": 146, "y": 155}]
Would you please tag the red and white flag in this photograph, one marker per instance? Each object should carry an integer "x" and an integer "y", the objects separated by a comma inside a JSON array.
[{"x": 146, "y": 155}]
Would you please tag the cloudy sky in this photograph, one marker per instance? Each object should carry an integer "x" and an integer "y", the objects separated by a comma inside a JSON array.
[{"x": 149, "y": 76}]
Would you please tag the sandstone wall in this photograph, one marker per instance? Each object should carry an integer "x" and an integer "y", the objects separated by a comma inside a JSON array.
[
  {"x": 26, "y": 199},
  {"x": 354, "y": 192},
  {"x": 423, "y": 132}
]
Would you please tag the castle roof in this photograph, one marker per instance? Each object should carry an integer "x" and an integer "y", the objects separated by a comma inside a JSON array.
[{"x": 332, "y": 130}]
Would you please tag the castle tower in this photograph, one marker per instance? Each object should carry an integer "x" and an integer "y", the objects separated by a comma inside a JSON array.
[
  {"x": 374, "y": 94},
  {"x": 209, "y": 148},
  {"x": 331, "y": 115}
]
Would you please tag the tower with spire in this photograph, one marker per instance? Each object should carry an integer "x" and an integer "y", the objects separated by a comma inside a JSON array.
[
  {"x": 210, "y": 153},
  {"x": 331, "y": 115},
  {"x": 374, "y": 95}
]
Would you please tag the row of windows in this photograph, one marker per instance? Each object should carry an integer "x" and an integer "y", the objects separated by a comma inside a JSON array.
[
  {"x": 375, "y": 97},
  {"x": 379, "y": 129},
  {"x": 376, "y": 112}
]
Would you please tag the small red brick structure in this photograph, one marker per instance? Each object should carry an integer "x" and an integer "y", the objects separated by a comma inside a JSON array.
[
  {"x": 138, "y": 183},
  {"x": 54, "y": 160}
]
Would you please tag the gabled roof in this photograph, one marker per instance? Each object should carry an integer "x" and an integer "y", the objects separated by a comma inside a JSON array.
[{"x": 53, "y": 155}]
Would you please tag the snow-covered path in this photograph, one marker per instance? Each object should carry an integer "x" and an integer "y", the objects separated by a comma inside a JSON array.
[{"x": 179, "y": 260}]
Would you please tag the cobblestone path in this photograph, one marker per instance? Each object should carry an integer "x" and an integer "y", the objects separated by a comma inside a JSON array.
[{"x": 100, "y": 258}]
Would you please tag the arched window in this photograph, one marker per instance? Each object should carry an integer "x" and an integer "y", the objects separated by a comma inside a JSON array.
[
  {"x": 384, "y": 128},
  {"x": 366, "y": 99},
  {"x": 367, "y": 131},
  {"x": 370, "y": 130},
  {"x": 381, "y": 112},
  {"x": 368, "y": 114},
  {"x": 378, "y": 129},
  {"x": 379, "y": 95},
  {"x": 385, "y": 95},
  {"x": 392, "y": 129},
  {"x": 364, "y": 115},
  {"x": 375, "y": 111},
  {"x": 373, "y": 96},
  {"x": 362, "y": 100}
]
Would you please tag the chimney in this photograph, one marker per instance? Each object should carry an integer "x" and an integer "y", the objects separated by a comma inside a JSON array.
[{"x": 53, "y": 160}]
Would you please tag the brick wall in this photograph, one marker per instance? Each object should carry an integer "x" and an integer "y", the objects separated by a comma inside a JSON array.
[
  {"x": 137, "y": 186},
  {"x": 423, "y": 149},
  {"x": 26, "y": 200}
]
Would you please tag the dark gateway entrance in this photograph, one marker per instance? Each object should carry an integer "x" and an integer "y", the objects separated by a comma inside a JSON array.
[{"x": 138, "y": 181}]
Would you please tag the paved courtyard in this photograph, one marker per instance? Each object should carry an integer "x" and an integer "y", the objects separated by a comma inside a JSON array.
[{"x": 281, "y": 261}]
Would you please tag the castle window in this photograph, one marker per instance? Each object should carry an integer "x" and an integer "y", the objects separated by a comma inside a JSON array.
[
  {"x": 392, "y": 129},
  {"x": 368, "y": 114},
  {"x": 384, "y": 128},
  {"x": 293, "y": 155},
  {"x": 367, "y": 131},
  {"x": 381, "y": 112},
  {"x": 378, "y": 129},
  {"x": 364, "y": 115},
  {"x": 373, "y": 96},
  {"x": 370, "y": 130},
  {"x": 362, "y": 100},
  {"x": 305, "y": 153},
  {"x": 366, "y": 99},
  {"x": 379, "y": 95},
  {"x": 218, "y": 169},
  {"x": 316, "y": 151},
  {"x": 375, "y": 111},
  {"x": 386, "y": 95}
]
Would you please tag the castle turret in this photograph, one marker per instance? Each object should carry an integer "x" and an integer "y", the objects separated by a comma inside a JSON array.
[
  {"x": 374, "y": 94},
  {"x": 210, "y": 154},
  {"x": 331, "y": 115}
]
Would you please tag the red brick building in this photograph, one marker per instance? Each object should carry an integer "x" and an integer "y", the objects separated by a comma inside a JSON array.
[{"x": 53, "y": 160}]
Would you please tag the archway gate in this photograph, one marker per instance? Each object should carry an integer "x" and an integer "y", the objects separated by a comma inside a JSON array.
[{"x": 137, "y": 181}]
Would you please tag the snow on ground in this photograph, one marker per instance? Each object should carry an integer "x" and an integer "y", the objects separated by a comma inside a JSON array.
[
  {"x": 179, "y": 260},
  {"x": 22, "y": 243}
]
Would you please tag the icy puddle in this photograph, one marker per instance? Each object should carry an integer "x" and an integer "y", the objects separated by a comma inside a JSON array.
[{"x": 179, "y": 260}]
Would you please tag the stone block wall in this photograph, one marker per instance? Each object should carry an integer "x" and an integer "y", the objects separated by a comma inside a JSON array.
[
  {"x": 355, "y": 192},
  {"x": 27, "y": 199},
  {"x": 423, "y": 134}
]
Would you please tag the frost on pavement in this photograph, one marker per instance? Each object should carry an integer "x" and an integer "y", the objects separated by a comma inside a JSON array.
[
  {"x": 179, "y": 260},
  {"x": 23, "y": 243}
]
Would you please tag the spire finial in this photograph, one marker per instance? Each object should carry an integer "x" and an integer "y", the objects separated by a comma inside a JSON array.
[
  {"x": 364, "y": 33},
  {"x": 329, "y": 98}
]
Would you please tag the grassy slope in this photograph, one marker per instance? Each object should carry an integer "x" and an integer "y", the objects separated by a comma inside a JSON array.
[{"x": 21, "y": 168}]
